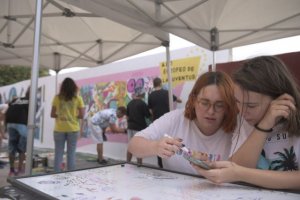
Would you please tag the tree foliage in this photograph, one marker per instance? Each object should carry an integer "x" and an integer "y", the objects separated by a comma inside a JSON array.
[{"x": 14, "y": 74}]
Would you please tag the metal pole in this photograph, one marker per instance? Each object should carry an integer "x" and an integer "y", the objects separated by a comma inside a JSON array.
[
  {"x": 168, "y": 62},
  {"x": 33, "y": 87},
  {"x": 57, "y": 65},
  {"x": 214, "y": 39},
  {"x": 214, "y": 61},
  {"x": 167, "y": 45}
]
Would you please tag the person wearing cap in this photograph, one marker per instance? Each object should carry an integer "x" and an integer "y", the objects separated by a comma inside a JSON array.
[{"x": 137, "y": 112}]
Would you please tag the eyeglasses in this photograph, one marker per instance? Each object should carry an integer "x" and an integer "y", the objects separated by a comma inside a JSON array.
[{"x": 205, "y": 105}]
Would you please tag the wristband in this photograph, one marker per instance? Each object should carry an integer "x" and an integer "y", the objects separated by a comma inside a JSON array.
[{"x": 263, "y": 130}]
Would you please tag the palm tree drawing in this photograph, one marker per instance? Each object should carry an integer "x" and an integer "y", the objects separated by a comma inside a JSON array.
[{"x": 286, "y": 161}]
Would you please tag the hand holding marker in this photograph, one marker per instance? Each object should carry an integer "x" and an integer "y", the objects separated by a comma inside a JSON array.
[{"x": 187, "y": 154}]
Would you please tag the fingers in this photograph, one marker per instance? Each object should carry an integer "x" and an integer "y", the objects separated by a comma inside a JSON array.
[
  {"x": 168, "y": 146},
  {"x": 169, "y": 150},
  {"x": 200, "y": 170},
  {"x": 287, "y": 97},
  {"x": 287, "y": 100},
  {"x": 221, "y": 164},
  {"x": 283, "y": 106}
]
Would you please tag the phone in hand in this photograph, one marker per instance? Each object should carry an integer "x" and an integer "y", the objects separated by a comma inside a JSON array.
[{"x": 186, "y": 153}]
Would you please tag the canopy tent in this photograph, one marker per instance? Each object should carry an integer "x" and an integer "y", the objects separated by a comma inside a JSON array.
[
  {"x": 212, "y": 24},
  {"x": 68, "y": 37}
]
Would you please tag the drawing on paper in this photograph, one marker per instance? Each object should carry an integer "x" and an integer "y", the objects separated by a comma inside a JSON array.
[{"x": 135, "y": 183}]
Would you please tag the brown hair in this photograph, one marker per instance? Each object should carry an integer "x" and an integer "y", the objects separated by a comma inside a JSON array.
[
  {"x": 269, "y": 76},
  {"x": 68, "y": 89},
  {"x": 156, "y": 82},
  {"x": 225, "y": 85},
  {"x": 122, "y": 110}
]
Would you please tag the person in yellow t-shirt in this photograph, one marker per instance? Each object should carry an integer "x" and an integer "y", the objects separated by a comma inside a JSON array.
[{"x": 67, "y": 109}]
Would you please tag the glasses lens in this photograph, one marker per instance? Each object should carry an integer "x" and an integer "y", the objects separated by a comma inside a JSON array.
[{"x": 205, "y": 105}]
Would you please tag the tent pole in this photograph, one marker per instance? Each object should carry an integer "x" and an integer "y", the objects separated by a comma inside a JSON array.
[
  {"x": 33, "y": 87},
  {"x": 168, "y": 64},
  {"x": 214, "y": 62},
  {"x": 9, "y": 23},
  {"x": 214, "y": 45},
  {"x": 57, "y": 64},
  {"x": 56, "y": 81}
]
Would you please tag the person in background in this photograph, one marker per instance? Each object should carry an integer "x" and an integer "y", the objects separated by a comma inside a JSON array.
[
  {"x": 158, "y": 103},
  {"x": 3, "y": 109},
  {"x": 122, "y": 121},
  {"x": 207, "y": 125},
  {"x": 137, "y": 112},
  {"x": 16, "y": 118},
  {"x": 268, "y": 99},
  {"x": 67, "y": 109},
  {"x": 98, "y": 124}
]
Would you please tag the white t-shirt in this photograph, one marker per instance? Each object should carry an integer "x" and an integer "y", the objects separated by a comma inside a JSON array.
[
  {"x": 104, "y": 118},
  {"x": 280, "y": 151},
  {"x": 218, "y": 146}
]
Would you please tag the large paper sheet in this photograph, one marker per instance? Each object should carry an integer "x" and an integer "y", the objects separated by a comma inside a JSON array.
[{"x": 131, "y": 182}]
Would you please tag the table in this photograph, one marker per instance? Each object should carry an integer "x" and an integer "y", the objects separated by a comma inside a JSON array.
[{"x": 129, "y": 181}]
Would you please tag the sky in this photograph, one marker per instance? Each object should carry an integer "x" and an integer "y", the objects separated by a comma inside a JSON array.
[{"x": 284, "y": 45}]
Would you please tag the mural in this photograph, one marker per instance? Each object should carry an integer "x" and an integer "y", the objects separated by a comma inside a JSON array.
[
  {"x": 13, "y": 92},
  {"x": 111, "y": 94},
  {"x": 107, "y": 91},
  {"x": 118, "y": 89}
]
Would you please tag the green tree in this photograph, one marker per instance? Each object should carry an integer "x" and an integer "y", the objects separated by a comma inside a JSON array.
[{"x": 10, "y": 75}]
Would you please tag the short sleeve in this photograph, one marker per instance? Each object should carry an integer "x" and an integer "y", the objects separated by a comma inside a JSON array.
[
  {"x": 80, "y": 102},
  {"x": 55, "y": 101}
]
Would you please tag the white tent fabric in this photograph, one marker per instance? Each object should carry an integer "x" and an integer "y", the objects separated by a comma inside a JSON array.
[
  {"x": 70, "y": 36},
  {"x": 67, "y": 37},
  {"x": 212, "y": 24}
]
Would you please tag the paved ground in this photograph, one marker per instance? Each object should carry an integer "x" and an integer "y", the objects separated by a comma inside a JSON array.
[{"x": 83, "y": 161}]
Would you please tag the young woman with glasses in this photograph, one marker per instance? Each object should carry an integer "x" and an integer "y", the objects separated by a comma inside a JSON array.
[
  {"x": 205, "y": 125},
  {"x": 268, "y": 99}
]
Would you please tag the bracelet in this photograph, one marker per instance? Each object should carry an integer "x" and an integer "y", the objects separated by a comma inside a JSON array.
[{"x": 263, "y": 130}]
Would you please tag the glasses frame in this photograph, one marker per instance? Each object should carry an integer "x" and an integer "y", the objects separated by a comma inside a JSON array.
[{"x": 205, "y": 105}]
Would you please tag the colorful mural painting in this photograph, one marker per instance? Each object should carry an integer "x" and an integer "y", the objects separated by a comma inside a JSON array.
[
  {"x": 118, "y": 89},
  {"x": 107, "y": 88}
]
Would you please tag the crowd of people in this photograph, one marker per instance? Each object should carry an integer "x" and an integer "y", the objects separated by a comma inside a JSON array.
[{"x": 244, "y": 126}]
